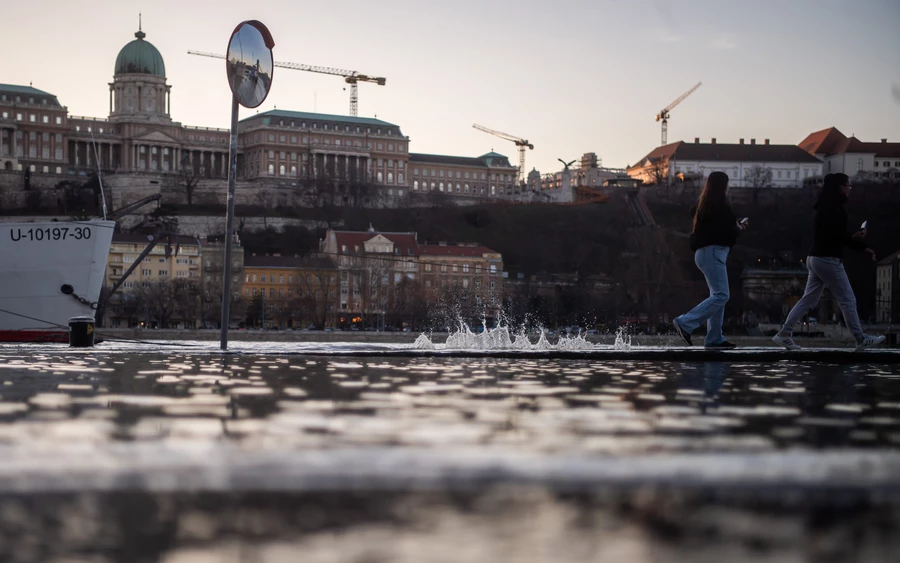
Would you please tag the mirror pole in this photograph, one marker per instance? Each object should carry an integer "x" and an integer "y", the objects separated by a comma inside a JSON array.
[{"x": 229, "y": 225}]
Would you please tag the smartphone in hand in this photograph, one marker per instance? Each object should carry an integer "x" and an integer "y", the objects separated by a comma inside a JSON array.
[{"x": 863, "y": 226}]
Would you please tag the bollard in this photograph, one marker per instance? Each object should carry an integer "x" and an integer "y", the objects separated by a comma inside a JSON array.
[{"x": 81, "y": 332}]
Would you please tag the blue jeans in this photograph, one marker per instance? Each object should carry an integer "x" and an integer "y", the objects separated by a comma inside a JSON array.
[
  {"x": 826, "y": 272},
  {"x": 711, "y": 261}
]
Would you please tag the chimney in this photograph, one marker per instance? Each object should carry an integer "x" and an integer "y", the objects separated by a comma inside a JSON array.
[
  {"x": 742, "y": 141},
  {"x": 767, "y": 141},
  {"x": 752, "y": 141},
  {"x": 696, "y": 140},
  {"x": 713, "y": 140},
  {"x": 884, "y": 140}
]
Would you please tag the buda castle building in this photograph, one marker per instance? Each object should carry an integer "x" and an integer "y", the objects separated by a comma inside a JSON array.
[{"x": 139, "y": 145}]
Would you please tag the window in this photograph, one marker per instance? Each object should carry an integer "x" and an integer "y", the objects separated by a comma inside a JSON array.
[
  {"x": 163, "y": 273},
  {"x": 493, "y": 268},
  {"x": 271, "y": 170},
  {"x": 427, "y": 267},
  {"x": 859, "y": 165},
  {"x": 443, "y": 268},
  {"x": 145, "y": 272},
  {"x": 416, "y": 185},
  {"x": 465, "y": 268},
  {"x": 45, "y": 119},
  {"x": 31, "y": 117}
]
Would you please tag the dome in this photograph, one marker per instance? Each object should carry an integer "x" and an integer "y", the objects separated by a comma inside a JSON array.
[{"x": 140, "y": 57}]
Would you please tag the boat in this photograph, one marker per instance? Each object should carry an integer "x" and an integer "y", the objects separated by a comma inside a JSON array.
[{"x": 50, "y": 271}]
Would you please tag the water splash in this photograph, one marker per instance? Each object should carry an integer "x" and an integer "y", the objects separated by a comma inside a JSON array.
[
  {"x": 623, "y": 339},
  {"x": 503, "y": 338},
  {"x": 423, "y": 343}
]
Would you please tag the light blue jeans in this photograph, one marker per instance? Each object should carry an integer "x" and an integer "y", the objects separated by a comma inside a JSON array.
[
  {"x": 711, "y": 261},
  {"x": 826, "y": 272}
]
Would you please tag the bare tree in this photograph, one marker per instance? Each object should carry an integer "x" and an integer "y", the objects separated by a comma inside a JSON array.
[
  {"x": 131, "y": 304},
  {"x": 160, "y": 300},
  {"x": 318, "y": 285},
  {"x": 187, "y": 178},
  {"x": 186, "y": 301},
  {"x": 758, "y": 176},
  {"x": 659, "y": 172}
]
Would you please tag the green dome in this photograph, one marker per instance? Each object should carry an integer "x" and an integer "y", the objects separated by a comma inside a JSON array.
[{"x": 140, "y": 57}]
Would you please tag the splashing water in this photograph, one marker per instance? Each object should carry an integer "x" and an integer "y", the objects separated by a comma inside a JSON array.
[
  {"x": 502, "y": 338},
  {"x": 623, "y": 339},
  {"x": 423, "y": 343}
]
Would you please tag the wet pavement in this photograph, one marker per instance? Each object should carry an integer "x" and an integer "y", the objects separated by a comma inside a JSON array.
[{"x": 172, "y": 452}]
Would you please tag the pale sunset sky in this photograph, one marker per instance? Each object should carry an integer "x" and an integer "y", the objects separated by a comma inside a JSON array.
[{"x": 571, "y": 76}]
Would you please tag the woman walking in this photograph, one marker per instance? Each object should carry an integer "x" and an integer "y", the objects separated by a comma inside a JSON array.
[
  {"x": 826, "y": 268},
  {"x": 715, "y": 231}
]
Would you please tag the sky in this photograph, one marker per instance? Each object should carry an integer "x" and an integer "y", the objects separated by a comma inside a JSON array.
[{"x": 571, "y": 76}]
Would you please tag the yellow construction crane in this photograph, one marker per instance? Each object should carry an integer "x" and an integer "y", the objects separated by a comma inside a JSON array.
[
  {"x": 664, "y": 114},
  {"x": 521, "y": 143},
  {"x": 351, "y": 77}
]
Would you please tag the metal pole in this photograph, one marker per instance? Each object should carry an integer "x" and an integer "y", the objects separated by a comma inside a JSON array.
[{"x": 229, "y": 224}]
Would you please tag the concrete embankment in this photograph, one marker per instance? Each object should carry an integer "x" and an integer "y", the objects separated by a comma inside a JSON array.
[{"x": 436, "y": 337}]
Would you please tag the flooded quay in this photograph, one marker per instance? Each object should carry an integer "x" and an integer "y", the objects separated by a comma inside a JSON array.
[{"x": 173, "y": 452}]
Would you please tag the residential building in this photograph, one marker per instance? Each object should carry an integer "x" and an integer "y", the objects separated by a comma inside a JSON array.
[
  {"x": 163, "y": 290},
  {"x": 391, "y": 272},
  {"x": 290, "y": 291},
  {"x": 372, "y": 266},
  {"x": 748, "y": 165},
  {"x": 849, "y": 155},
  {"x": 887, "y": 290}
]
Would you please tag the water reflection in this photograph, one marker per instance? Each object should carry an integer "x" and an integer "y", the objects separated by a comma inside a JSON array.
[{"x": 532, "y": 404}]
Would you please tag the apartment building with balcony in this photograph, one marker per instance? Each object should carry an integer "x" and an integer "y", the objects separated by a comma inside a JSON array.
[{"x": 162, "y": 290}]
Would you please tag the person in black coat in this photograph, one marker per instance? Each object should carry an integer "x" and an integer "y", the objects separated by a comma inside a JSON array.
[
  {"x": 715, "y": 231},
  {"x": 825, "y": 265}
]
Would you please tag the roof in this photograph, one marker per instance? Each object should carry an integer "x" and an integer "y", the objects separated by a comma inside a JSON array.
[
  {"x": 131, "y": 238},
  {"x": 454, "y": 250},
  {"x": 320, "y": 117},
  {"x": 140, "y": 57},
  {"x": 731, "y": 153},
  {"x": 492, "y": 156},
  {"x": 311, "y": 261},
  {"x": 822, "y": 142},
  {"x": 402, "y": 241},
  {"x": 16, "y": 90},
  {"x": 831, "y": 142},
  {"x": 881, "y": 150},
  {"x": 890, "y": 259},
  {"x": 446, "y": 159}
]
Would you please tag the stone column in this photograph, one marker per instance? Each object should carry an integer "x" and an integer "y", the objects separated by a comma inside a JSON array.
[{"x": 110, "y": 98}]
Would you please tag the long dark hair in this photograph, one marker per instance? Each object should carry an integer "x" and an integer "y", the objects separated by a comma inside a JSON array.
[
  {"x": 831, "y": 193},
  {"x": 712, "y": 197}
]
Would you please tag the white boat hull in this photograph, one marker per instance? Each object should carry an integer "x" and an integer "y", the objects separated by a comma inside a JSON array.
[{"x": 37, "y": 261}]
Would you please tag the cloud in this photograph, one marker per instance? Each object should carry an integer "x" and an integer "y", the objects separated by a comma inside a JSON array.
[
  {"x": 723, "y": 43},
  {"x": 666, "y": 36}
]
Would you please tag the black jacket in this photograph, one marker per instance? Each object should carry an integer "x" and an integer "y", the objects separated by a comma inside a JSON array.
[
  {"x": 830, "y": 234},
  {"x": 717, "y": 226}
]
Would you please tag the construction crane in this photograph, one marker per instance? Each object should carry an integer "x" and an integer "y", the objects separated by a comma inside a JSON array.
[
  {"x": 664, "y": 114},
  {"x": 351, "y": 77},
  {"x": 521, "y": 143}
]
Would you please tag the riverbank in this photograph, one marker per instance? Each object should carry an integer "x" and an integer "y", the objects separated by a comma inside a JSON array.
[{"x": 374, "y": 337}]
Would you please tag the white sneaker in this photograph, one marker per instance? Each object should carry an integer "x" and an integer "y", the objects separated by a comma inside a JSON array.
[
  {"x": 868, "y": 341},
  {"x": 786, "y": 341}
]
